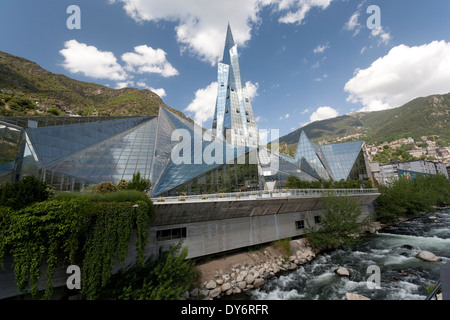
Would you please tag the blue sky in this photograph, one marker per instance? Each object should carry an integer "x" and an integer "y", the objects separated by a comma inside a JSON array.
[{"x": 303, "y": 60}]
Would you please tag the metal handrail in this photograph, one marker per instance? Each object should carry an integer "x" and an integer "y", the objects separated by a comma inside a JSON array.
[
  {"x": 262, "y": 194},
  {"x": 434, "y": 292}
]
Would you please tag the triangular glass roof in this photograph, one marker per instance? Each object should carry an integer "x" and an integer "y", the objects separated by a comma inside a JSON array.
[
  {"x": 53, "y": 143},
  {"x": 310, "y": 152},
  {"x": 341, "y": 158},
  {"x": 169, "y": 173},
  {"x": 113, "y": 159}
]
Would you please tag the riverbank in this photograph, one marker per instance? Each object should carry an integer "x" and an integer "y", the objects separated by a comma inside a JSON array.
[
  {"x": 245, "y": 271},
  {"x": 241, "y": 272}
]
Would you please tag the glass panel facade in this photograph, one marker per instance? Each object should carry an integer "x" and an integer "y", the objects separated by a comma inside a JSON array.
[
  {"x": 11, "y": 148},
  {"x": 113, "y": 159},
  {"x": 233, "y": 117},
  {"x": 341, "y": 158}
]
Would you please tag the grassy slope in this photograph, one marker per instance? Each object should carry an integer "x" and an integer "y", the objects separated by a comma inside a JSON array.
[{"x": 26, "y": 78}]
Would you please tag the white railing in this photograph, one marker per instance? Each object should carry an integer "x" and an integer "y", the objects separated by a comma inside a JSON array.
[{"x": 248, "y": 195}]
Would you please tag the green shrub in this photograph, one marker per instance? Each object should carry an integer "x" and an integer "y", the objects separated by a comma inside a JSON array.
[
  {"x": 118, "y": 196},
  {"x": 74, "y": 231},
  {"x": 122, "y": 185},
  {"x": 340, "y": 223},
  {"x": 139, "y": 183},
  {"x": 166, "y": 278},
  {"x": 106, "y": 187},
  {"x": 407, "y": 198},
  {"x": 284, "y": 245},
  {"x": 20, "y": 194}
]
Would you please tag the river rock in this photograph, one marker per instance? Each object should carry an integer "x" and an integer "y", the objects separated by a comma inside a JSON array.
[
  {"x": 219, "y": 282},
  {"x": 342, "y": 272},
  {"x": 407, "y": 246},
  {"x": 236, "y": 290},
  {"x": 240, "y": 278},
  {"x": 194, "y": 292},
  {"x": 211, "y": 285},
  {"x": 242, "y": 285},
  {"x": 355, "y": 296},
  {"x": 215, "y": 292},
  {"x": 258, "y": 282},
  {"x": 226, "y": 286},
  {"x": 249, "y": 279},
  {"x": 428, "y": 256}
]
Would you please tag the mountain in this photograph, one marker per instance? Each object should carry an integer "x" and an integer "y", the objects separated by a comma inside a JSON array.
[
  {"x": 36, "y": 91},
  {"x": 424, "y": 116}
]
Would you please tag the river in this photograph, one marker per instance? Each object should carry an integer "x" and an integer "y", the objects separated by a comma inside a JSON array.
[{"x": 393, "y": 250}]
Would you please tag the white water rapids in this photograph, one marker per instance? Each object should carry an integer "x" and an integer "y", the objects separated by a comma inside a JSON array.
[{"x": 393, "y": 250}]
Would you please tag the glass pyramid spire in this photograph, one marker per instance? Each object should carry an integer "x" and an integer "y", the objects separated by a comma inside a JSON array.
[{"x": 233, "y": 116}]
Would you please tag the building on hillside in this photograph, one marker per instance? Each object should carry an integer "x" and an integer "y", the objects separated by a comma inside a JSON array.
[{"x": 411, "y": 169}]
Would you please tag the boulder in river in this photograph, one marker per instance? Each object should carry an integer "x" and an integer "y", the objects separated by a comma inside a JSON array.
[
  {"x": 355, "y": 296},
  {"x": 428, "y": 256},
  {"x": 343, "y": 272}
]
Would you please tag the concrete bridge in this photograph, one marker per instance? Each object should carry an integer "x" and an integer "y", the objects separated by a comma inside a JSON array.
[{"x": 210, "y": 224}]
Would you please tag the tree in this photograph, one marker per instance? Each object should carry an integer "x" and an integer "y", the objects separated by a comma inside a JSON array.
[
  {"x": 166, "y": 278},
  {"x": 20, "y": 194},
  {"x": 138, "y": 183},
  {"x": 340, "y": 224}
]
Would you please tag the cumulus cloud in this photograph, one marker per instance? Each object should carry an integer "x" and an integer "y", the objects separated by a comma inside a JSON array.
[
  {"x": 204, "y": 103},
  {"x": 92, "y": 62},
  {"x": 403, "y": 74},
  {"x": 200, "y": 25},
  {"x": 252, "y": 89},
  {"x": 323, "y": 113},
  {"x": 145, "y": 59},
  {"x": 88, "y": 60}
]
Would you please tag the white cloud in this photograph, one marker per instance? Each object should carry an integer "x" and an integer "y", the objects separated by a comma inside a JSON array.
[
  {"x": 79, "y": 57},
  {"x": 305, "y": 111},
  {"x": 200, "y": 25},
  {"x": 124, "y": 84},
  {"x": 321, "y": 48},
  {"x": 383, "y": 36},
  {"x": 353, "y": 24},
  {"x": 252, "y": 89},
  {"x": 145, "y": 59},
  {"x": 323, "y": 113},
  {"x": 160, "y": 92},
  {"x": 403, "y": 74},
  {"x": 204, "y": 103},
  {"x": 300, "y": 9}
]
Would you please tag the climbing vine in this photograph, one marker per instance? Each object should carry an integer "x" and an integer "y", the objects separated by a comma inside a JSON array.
[{"x": 93, "y": 234}]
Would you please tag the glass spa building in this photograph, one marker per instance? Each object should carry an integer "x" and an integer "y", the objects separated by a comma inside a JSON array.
[{"x": 178, "y": 156}]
